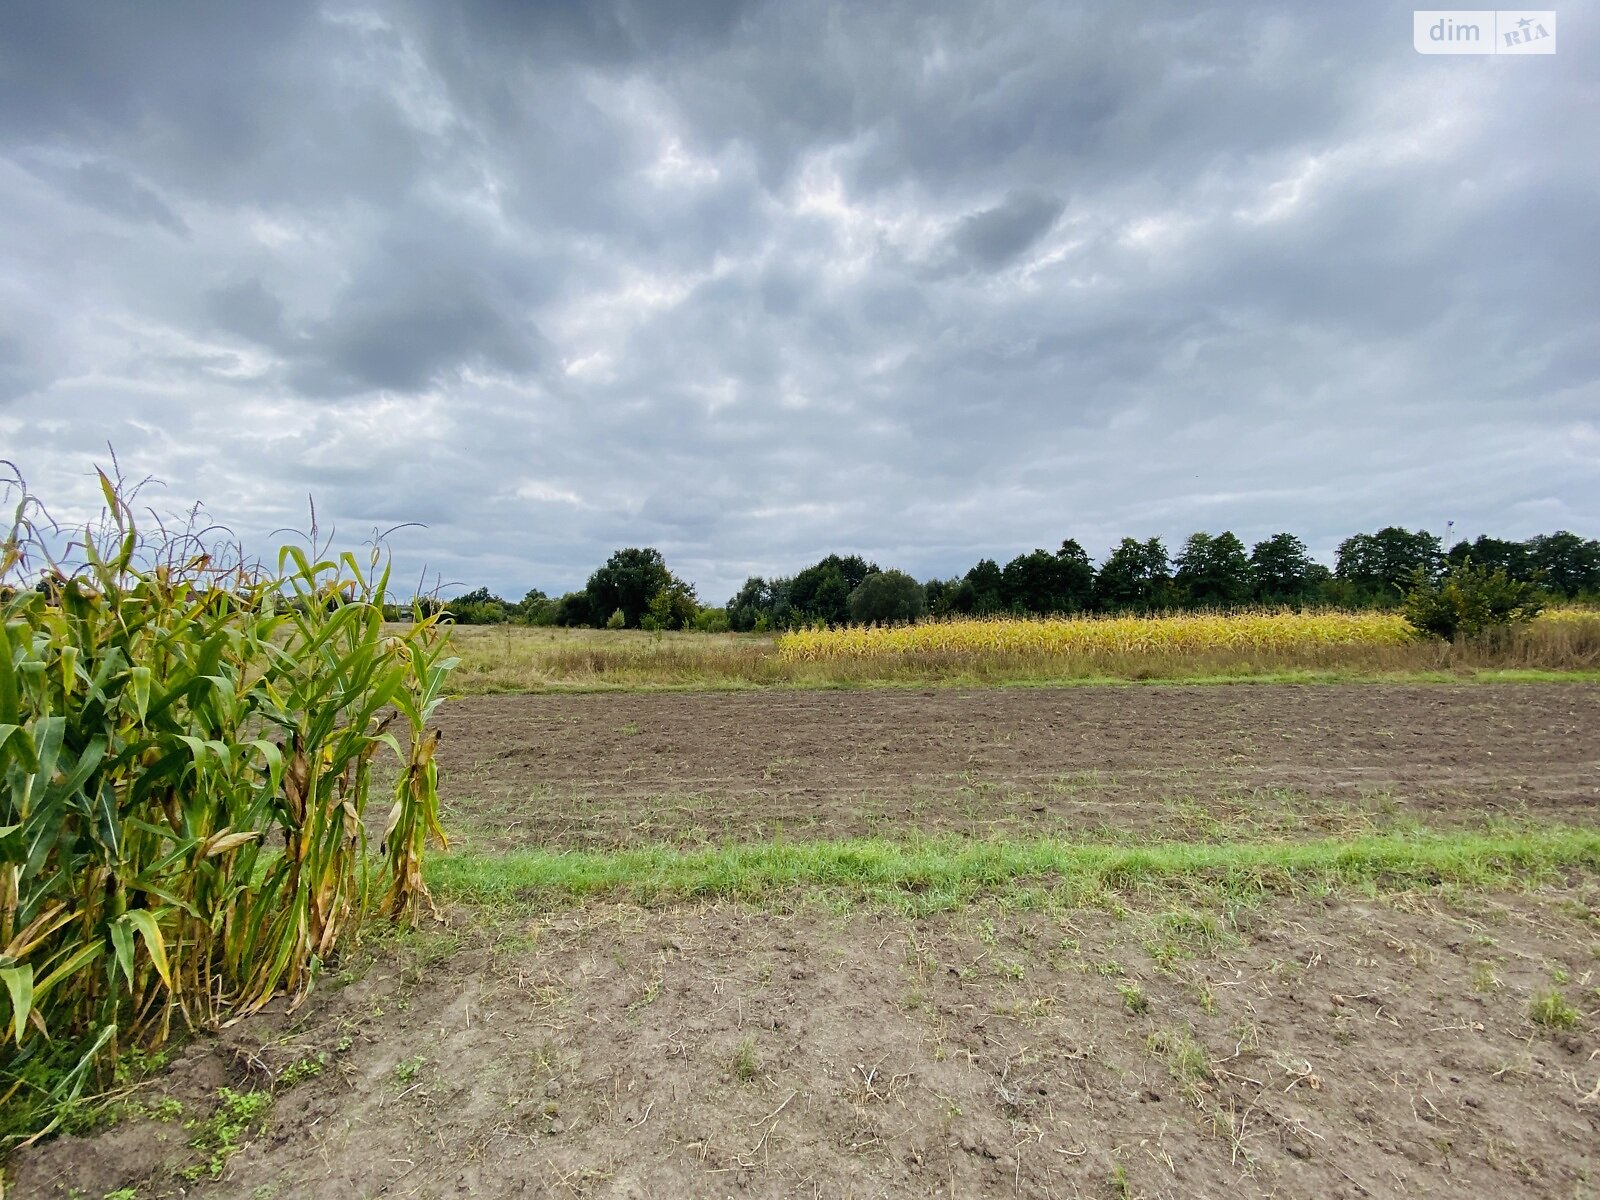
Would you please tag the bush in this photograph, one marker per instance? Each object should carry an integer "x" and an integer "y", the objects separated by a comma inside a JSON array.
[
  {"x": 535, "y": 608},
  {"x": 576, "y": 609},
  {"x": 1468, "y": 602},
  {"x": 711, "y": 620},
  {"x": 479, "y": 607},
  {"x": 617, "y": 620},
  {"x": 673, "y": 607}
]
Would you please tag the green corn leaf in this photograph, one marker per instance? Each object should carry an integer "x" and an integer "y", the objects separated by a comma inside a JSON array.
[
  {"x": 75, "y": 962},
  {"x": 19, "y": 982},
  {"x": 17, "y": 743},
  {"x": 69, "y": 669},
  {"x": 145, "y": 922},
  {"x": 139, "y": 685},
  {"x": 122, "y": 944},
  {"x": 47, "y": 742},
  {"x": 9, "y": 709}
]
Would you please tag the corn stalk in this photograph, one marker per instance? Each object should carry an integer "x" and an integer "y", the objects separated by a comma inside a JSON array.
[{"x": 186, "y": 750}]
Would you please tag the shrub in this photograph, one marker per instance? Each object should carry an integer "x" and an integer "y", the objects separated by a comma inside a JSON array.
[
  {"x": 1468, "y": 602},
  {"x": 617, "y": 620},
  {"x": 711, "y": 620},
  {"x": 673, "y": 607},
  {"x": 479, "y": 607}
]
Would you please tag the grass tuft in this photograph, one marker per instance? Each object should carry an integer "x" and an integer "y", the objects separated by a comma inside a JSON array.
[
  {"x": 1552, "y": 1011},
  {"x": 746, "y": 1065}
]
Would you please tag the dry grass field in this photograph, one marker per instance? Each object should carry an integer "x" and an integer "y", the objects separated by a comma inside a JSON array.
[{"x": 511, "y": 658}]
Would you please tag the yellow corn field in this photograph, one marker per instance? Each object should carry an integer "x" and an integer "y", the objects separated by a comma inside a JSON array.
[
  {"x": 1177, "y": 633},
  {"x": 1569, "y": 615}
]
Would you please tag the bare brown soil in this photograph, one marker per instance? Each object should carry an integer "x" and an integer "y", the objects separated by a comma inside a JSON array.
[
  {"x": 1341, "y": 1049},
  {"x": 1087, "y": 762},
  {"x": 1344, "y": 1047}
]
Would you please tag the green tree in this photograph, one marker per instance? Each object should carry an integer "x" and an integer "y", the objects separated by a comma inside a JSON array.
[
  {"x": 1566, "y": 563},
  {"x": 780, "y": 614},
  {"x": 1027, "y": 583},
  {"x": 1075, "y": 578},
  {"x": 1281, "y": 570},
  {"x": 711, "y": 620},
  {"x": 575, "y": 609},
  {"x": 748, "y": 605},
  {"x": 1496, "y": 554},
  {"x": 1381, "y": 566},
  {"x": 629, "y": 580},
  {"x": 887, "y": 596},
  {"x": 1468, "y": 601},
  {"x": 673, "y": 607},
  {"x": 535, "y": 608},
  {"x": 982, "y": 589},
  {"x": 617, "y": 620},
  {"x": 941, "y": 595},
  {"x": 1042, "y": 582},
  {"x": 821, "y": 592},
  {"x": 1136, "y": 576},
  {"x": 1213, "y": 572}
]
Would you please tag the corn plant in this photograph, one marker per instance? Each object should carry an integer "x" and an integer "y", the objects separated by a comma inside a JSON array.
[
  {"x": 187, "y": 745},
  {"x": 1182, "y": 633}
]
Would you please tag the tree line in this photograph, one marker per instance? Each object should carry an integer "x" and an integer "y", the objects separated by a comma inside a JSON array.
[{"x": 634, "y": 589}]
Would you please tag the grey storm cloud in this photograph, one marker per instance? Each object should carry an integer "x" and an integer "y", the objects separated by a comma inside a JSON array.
[
  {"x": 114, "y": 191},
  {"x": 997, "y": 235},
  {"x": 753, "y": 281}
]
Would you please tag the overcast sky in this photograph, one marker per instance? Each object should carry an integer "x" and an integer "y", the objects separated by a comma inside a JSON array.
[{"x": 752, "y": 282}]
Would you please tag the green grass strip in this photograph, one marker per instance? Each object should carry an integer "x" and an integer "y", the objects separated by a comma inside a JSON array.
[{"x": 951, "y": 869}]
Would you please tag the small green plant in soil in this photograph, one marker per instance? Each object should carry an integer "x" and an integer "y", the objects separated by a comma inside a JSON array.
[
  {"x": 302, "y": 1069},
  {"x": 1133, "y": 998},
  {"x": 223, "y": 1132},
  {"x": 407, "y": 1069},
  {"x": 1552, "y": 1011},
  {"x": 746, "y": 1066}
]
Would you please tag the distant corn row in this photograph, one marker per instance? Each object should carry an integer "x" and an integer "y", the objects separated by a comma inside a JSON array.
[
  {"x": 1570, "y": 615},
  {"x": 1179, "y": 633}
]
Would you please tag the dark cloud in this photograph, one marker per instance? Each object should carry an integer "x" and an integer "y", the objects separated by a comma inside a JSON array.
[
  {"x": 404, "y": 331},
  {"x": 113, "y": 190},
  {"x": 249, "y": 310},
  {"x": 15, "y": 379},
  {"x": 754, "y": 281},
  {"x": 994, "y": 237}
]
